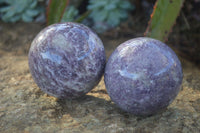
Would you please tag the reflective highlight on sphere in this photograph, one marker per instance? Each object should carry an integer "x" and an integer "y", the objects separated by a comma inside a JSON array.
[
  {"x": 67, "y": 60},
  {"x": 143, "y": 76}
]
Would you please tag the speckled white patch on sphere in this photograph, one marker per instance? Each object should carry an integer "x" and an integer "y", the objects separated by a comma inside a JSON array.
[
  {"x": 67, "y": 60},
  {"x": 143, "y": 76}
]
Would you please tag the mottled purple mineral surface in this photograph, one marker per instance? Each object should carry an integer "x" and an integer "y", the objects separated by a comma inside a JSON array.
[
  {"x": 143, "y": 76},
  {"x": 67, "y": 60}
]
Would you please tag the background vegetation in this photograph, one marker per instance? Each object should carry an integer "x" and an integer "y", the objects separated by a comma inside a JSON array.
[{"x": 116, "y": 17}]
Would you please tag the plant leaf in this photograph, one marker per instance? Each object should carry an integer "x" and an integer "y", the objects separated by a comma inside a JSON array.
[
  {"x": 99, "y": 15},
  {"x": 126, "y": 5},
  {"x": 33, "y": 4},
  {"x": 83, "y": 16},
  {"x": 14, "y": 19},
  {"x": 5, "y": 9},
  {"x": 32, "y": 12},
  {"x": 114, "y": 18},
  {"x": 69, "y": 15},
  {"x": 2, "y": 1},
  {"x": 56, "y": 10},
  {"x": 9, "y": 14},
  {"x": 96, "y": 4},
  {"x": 163, "y": 18},
  {"x": 26, "y": 18}
]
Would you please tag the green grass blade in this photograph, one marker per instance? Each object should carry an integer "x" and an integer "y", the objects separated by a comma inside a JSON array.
[
  {"x": 163, "y": 18},
  {"x": 56, "y": 10},
  {"x": 83, "y": 16}
]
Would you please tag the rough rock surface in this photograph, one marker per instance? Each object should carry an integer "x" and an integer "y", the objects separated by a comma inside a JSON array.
[
  {"x": 24, "y": 108},
  {"x": 67, "y": 60}
]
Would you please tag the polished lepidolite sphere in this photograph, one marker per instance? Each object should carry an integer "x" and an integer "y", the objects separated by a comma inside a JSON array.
[
  {"x": 143, "y": 76},
  {"x": 67, "y": 60}
]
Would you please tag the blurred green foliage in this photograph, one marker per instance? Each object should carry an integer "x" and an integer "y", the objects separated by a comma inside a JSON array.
[
  {"x": 70, "y": 14},
  {"x": 100, "y": 14},
  {"x": 16, "y": 10},
  {"x": 104, "y": 14},
  {"x": 110, "y": 12}
]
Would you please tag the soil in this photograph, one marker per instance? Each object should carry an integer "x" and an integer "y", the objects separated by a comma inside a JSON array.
[{"x": 24, "y": 108}]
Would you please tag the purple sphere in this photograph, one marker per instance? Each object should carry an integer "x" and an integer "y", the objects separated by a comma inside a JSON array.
[
  {"x": 67, "y": 60},
  {"x": 143, "y": 76}
]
